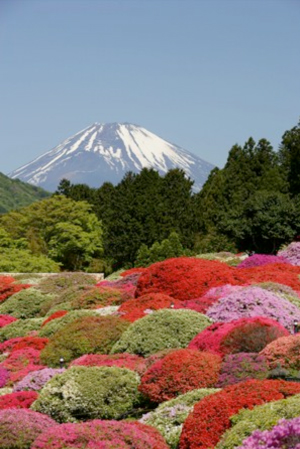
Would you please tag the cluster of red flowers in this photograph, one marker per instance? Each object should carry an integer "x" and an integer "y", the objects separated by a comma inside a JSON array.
[
  {"x": 21, "y": 362},
  {"x": 136, "y": 308},
  {"x": 17, "y": 343},
  {"x": 243, "y": 335},
  {"x": 211, "y": 416},
  {"x": 281, "y": 273},
  {"x": 55, "y": 315},
  {"x": 19, "y": 399},
  {"x": 9, "y": 288},
  {"x": 130, "y": 361},
  {"x": 6, "y": 319},
  {"x": 179, "y": 372}
]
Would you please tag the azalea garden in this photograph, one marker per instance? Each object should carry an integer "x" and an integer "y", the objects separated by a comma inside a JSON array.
[{"x": 193, "y": 352}]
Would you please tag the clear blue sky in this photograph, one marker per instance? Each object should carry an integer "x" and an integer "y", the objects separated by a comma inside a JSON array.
[{"x": 204, "y": 74}]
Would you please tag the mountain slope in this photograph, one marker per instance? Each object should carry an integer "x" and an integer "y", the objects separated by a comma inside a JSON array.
[
  {"x": 15, "y": 194},
  {"x": 105, "y": 152}
]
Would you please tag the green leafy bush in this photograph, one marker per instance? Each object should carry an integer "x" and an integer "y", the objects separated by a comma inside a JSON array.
[
  {"x": 20, "y": 328},
  {"x": 24, "y": 304},
  {"x": 86, "y": 335},
  {"x": 159, "y": 330},
  {"x": 59, "y": 323},
  {"x": 99, "y": 297},
  {"x": 262, "y": 417},
  {"x": 83, "y": 393},
  {"x": 169, "y": 417},
  {"x": 57, "y": 283},
  {"x": 65, "y": 296}
]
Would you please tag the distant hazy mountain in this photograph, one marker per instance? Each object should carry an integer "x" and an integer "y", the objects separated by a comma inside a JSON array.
[
  {"x": 15, "y": 194},
  {"x": 105, "y": 152}
]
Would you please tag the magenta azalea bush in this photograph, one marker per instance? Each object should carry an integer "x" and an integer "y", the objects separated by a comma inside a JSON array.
[
  {"x": 100, "y": 434},
  {"x": 4, "y": 376},
  {"x": 20, "y": 427},
  {"x": 291, "y": 253},
  {"x": 285, "y": 435},
  {"x": 37, "y": 379},
  {"x": 253, "y": 302},
  {"x": 260, "y": 259},
  {"x": 242, "y": 366}
]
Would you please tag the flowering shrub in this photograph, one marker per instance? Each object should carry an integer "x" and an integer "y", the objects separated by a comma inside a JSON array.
[
  {"x": 244, "y": 335},
  {"x": 283, "y": 291},
  {"x": 5, "y": 390},
  {"x": 285, "y": 352},
  {"x": 22, "y": 399},
  {"x": 137, "y": 270},
  {"x": 55, "y": 315},
  {"x": 262, "y": 417},
  {"x": 9, "y": 288},
  {"x": 25, "y": 304},
  {"x": 186, "y": 278},
  {"x": 211, "y": 416},
  {"x": 258, "y": 260},
  {"x": 285, "y": 435},
  {"x": 20, "y": 427},
  {"x": 179, "y": 372},
  {"x": 17, "y": 343},
  {"x": 130, "y": 361},
  {"x": 281, "y": 273},
  {"x": 21, "y": 362},
  {"x": 37, "y": 379},
  {"x": 63, "y": 299},
  {"x": 134, "y": 309},
  {"x": 4, "y": 376},
  {"x": 6, "y": 319},
  {"x": 242, "y": 366},
  {"x": 20, "y": 328},
  {"x": 58, "y": 282},
  {"x": 87, "y": 335},
  {"x": 169, "y": 417},
  {"x": 100, "y": 297},
  {"x": 161, "y": 330},
  {"x": 291, "y": 253},
  {"x": 53, "y": 326},
  {"x": 89, "y": 393},
  {"x": 253, "y": 302},
  {"x": 99, "y": 434}
]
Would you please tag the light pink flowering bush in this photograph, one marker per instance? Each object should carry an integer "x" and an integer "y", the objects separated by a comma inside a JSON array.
[{"x": 291, "y": 253}]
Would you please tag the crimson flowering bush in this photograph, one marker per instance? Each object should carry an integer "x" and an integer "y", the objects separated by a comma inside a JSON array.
[
  {"x": 285, "y": 435},
  {"x": 20, "y": 427},
  {"x": 35, "y": 380},
  {"x": 242, "y": 366},
  {"x": 130, "y": 271},
  {"x": 55, "y": 315},
  {"x": 179, "y": 372},
  {"x": 18, "y": 343},
  {"x": 6, "y": 319},
  {"x": 4, "y": 376},
  {"x": 187, "y": 278},
  {"x": 283, "y": 352},
  {"x": 243, "y": 335},
  {"x": 98, "y": 434},
  {"x": 124, "y": 360},
  {"x": 258, "y": 260},
  {"x": 291, "y": 253},
  {"x": 211, "y": 416},
  {"x": 20, "y": 399},
  {"x": 134, "y": 309},
  {"x": 21, "y": 362},
  {"x": 9, "y": 288},
  {"x": 252, "y": 302},
  {"x": 281, "y": 273}
]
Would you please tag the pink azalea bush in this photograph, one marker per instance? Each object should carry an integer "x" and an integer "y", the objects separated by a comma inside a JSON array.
[
  {"x": 291, "y": 253},
  {"x": 19, "y": 399},
  {"x": 242, "y": 366},
  {"x": 93, "y": 434},
  {"x": 261, "y": 259},
  {"x": 6, "y": 319},
  {"x": 4, "y": 376},
  {"x": 35, "y": 380},
  {"x": 20, "y": 427},
  {"x": 252, "y": 302},
  {"x": 283, "y": 352},
  {"x": 285, "y": 435}
]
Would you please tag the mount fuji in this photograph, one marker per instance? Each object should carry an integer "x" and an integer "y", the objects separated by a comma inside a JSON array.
[{"x": 105, "y": 152}]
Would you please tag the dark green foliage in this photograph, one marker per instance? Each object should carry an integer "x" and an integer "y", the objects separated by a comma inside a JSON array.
[
  {"x": 24, "y": 304},
  {"x": 290, "y": 158},
  {"x": 15, "y": 194}
]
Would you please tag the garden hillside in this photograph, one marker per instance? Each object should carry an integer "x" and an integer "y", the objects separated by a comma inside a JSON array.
[{"x": 185, "y": 353}]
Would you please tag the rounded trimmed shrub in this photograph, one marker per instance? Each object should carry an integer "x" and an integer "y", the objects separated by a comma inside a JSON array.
[
  {"x": 21, "y": 362},
  {"x": 20, "y": 399},
  {"x": 258, "y": 260},
  {"x": 284, "y": 352},
  {"x": 98, "y": 297},
  {"x": 82, "y": 393},
  {"x": 133, "y": 309},
  {"x": 65, "y": 297},
  {"x": 6, "y": 319},
  {"x": 9, "y": 287},
  {"x": 58, "y": 282},
  {"x": 20, "y": 328},
  {"x": 244, "y": 335},
  {"x": 25, "y": 304},
  {"x": 252, "y": 302},
  {"x": 179, "y": 372},
  {"x": 163, "y": 329},
  {"x": 35, "y": 380},
  {"x": 15, "y": 344},
  {"x": 86, "y": 335},
  {"x": 242, "y": 366},
  {"x": 99, "y": 434},
  {"x": 58, "y": 314},
  {"x": 280, "y": 273},
  {"x": 284, "y": 291},
  {"x": 129, "y": 361},
  {"x": 53, "y": 326},
  {"x": 20, "y": 427},
  {"x": 169, "y": 417},
  {"x": 291, "y": 253}
]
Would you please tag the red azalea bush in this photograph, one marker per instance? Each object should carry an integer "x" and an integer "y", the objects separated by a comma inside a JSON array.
[
  {"x": 186, "y": 278},
  {"x": 211, "y": 416},
  {"x": 137, "y": 308},
  {"x": 283, "y": 352},
  {"x": 15, "y": 344},
  {"x": 21, "y": 362},
  {"x": 6, "y": 319},
  {"x": 20, "y": 399},
  {"x": 131, "y": 271},
  {"x": 9, "y": 288},
  {"x": 281, "y": 273},
  {"x": 179, "y": 372},
  {"x": 98, "y": 434},
  {"x": 124, "y": 360},
  {"x": 55, "y": 315},
  {"x": 243, "y": 335},
  {"x": 20, "y": 427}
]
